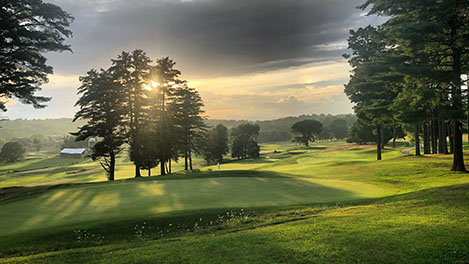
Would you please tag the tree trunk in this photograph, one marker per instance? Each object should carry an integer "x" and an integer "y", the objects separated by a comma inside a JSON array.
[
  {"x": 417, "y": 139},
  {"x": 378, "y": 143},
  {"x": 382, "y": 139},
  {"x": 170, "y": 168},
  {"x": 434, "y": 134},
  {"x": 394, "y": 135},
  {"x": 162, "y": 169},
  {"x": 112, "y": 166},
  {"x": 442, "y": 144},
  {"x": 137, "y": 171},
  {"x": 456, "y": 99},
  {"x": 185, "y": 161},
  {"x": 190, "y": 160},
  {"x": 450, "y": 128},
  {"x": 149, "y": 172},
  {"x": 458, "y": 158},
  {"x": 426, "y": 138}
]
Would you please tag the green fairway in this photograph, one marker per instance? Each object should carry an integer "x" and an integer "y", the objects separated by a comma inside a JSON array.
[
  {"x": 51, "y": 170},
  {"x": 41, "y": 219},
  {"x": 76, "y": 204}
]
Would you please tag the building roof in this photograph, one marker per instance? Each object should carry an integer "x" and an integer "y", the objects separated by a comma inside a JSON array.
[{"x": 78, "y": 151}]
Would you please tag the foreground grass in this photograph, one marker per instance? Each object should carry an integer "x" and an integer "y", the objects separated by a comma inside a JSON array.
[
  {"x": 428, "y": 226},
  {"x": 171, "y": 217}
]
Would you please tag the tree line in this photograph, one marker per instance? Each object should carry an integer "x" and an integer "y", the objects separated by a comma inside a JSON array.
[
  {"x": 409, "y": 73},
  {"x": 277, "y": 130}
]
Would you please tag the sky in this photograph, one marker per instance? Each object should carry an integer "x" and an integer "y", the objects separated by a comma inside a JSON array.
[{"x": 249, "y": 59}]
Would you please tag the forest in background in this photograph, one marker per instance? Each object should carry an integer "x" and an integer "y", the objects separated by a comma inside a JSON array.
[{"x": 270, "y": 130}]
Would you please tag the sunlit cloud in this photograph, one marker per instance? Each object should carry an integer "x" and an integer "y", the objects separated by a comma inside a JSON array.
[
  {"x": 313, "y": 88},
  {"x": 253, "y": 83},
  {"x": 57, "y": 81}
]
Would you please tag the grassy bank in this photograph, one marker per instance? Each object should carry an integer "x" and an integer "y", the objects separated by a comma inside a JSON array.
[{"x": 329, "y": 203}]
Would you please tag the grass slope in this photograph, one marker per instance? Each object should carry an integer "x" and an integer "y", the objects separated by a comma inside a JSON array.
[
  {"x": 193, "y": 216},
  {"x": 429, "y": 226}
]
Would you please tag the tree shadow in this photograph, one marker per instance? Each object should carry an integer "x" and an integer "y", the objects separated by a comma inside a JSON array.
[
  {"x": 76, "y": 204},
  {"x": 419, "y": 227}
]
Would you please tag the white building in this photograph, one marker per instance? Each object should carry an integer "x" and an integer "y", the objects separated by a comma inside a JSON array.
[{"x": 74, "y": 153}]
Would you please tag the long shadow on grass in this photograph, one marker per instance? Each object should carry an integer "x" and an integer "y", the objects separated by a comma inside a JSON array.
[
  {"x": 87, "y": 203},
  {"x": 402, "y": 228}
]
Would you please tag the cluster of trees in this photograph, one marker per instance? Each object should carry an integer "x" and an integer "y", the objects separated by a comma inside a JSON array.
[
  {"x": 308, "y": 130},
  {"x": 215, "y": 145},
  {"x": 409, "y": 72},
  {"x": 143, "y": 105},
  {"x": 244, "y": 141},
  {"x": 334, "y": 126},
  {"x": 363, "y": 133}
]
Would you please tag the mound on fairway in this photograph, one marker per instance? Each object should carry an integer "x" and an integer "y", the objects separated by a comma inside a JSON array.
[{"x": 75, "y": 204}]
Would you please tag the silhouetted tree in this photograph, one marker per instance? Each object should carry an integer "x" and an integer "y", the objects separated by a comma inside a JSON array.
[
  {"x": 101, "y": 105},
  {"x": 131, "y": 70},
  {"x": 373, "y": 85},
  {"x": 437, "y": 32},
  {"x": 189, "y": 125},
  {"x": 167, "y": 80},
  {"x": 244, "y": 141},
  {"x": 29, "y": 28},
  {"x": 215, "y": 144}
]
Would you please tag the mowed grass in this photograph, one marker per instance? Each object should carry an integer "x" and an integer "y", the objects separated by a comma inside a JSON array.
[
  {"x": 50, "y": 169},
  {"x": 429, "y": 226},
  {"x": 184, "y": 210}
]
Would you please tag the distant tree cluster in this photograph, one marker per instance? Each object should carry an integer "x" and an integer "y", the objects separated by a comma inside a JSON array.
[
  {"x": 143, "y": 105},
  {"x": 244, "y": 141},
  {"x": 72, "y": 142},
  {"x": 215, "y": 145},
  {"x": 334, "y": 127},
  {"x": 308, "y": 131},
  {"x": 410, "y": 71},
  {"x": 12, "y": 152}
]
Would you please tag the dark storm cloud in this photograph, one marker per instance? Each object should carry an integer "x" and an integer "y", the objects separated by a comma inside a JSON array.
[{"x": 210, "y": 37}]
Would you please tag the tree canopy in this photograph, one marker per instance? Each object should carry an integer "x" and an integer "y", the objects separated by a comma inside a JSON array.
[
  {"x": 308, "y": 130},
  {"x": 12, "y": 152},
  {"x": 29, "y": 28}
]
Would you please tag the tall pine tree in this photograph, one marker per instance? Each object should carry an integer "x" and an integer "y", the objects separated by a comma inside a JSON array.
[{"x": 101, "y": 106}]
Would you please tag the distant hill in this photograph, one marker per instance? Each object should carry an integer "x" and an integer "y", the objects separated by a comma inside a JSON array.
[
  {"x": 280, "y": 129},
  {"x": 272, "y": 130},
  {"x": 46, "y": 127}
]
